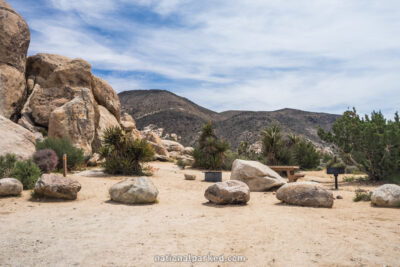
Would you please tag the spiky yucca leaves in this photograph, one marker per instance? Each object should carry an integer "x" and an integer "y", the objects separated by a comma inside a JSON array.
[
  {"x": 275, "y": 150},
  {"x": 124, "y": 154},
  {"x": 210, "y": 152}
]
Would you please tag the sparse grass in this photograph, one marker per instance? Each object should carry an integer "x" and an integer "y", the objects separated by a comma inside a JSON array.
[
  {"x": 182, "y": 163},
  {"x": 349, "y": 179},
  {"x": 362, "y": 195}
]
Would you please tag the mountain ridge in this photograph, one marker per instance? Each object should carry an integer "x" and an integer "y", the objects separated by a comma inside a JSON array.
[{"x": 182, "y": 116}]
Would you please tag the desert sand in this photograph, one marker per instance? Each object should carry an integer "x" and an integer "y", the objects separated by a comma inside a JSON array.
[{"x": 93, "y": 231}]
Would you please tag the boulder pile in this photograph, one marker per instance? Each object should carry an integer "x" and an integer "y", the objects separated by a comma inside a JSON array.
[{"x": 50, "y": 93}]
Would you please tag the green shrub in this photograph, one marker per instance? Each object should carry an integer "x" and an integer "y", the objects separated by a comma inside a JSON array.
[
  {"x": 182, "y": 163},
  {"x": 210, "y": 151},
  {"x": 124, "y": 154},
  {"x": 371, "y": 143},
  {"x": 334, "y": 163},
  {"x": 305, "y": 155},
  {"x": 27, "y": 172},
  {"x": 7, "y": 164},
  {"x": 46, "y": 160},
  {"x": 75, "y": 156}
]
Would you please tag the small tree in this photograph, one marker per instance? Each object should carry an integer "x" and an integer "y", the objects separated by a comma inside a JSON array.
[
  {"x": 124, "y": 154},
  {"x": 210, "y": 151},
  {"x": 371, "y": 143},
  {"x": 305, "y": 154}
]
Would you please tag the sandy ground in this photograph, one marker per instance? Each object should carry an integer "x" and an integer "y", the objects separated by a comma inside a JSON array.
[{"x": 92, "y": 231}]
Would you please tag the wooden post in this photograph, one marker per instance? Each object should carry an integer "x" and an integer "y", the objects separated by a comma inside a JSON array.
[{"x": 65, "y": 165}]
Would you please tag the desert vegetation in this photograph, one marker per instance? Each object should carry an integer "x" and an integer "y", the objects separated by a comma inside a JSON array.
[
  {"x": 123, "y": 153},
  {"x": 26, "y": 171},
  {"x": 371, "y": 143},
  {"x": 210, "y": 151},
  {"x": 60, "y": 146}
]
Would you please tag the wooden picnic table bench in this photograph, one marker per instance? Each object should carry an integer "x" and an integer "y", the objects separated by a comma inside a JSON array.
[{"x": 290, "y": 172}]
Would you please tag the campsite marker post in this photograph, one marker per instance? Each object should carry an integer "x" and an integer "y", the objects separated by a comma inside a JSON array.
[{"x": 65, "y": 165}]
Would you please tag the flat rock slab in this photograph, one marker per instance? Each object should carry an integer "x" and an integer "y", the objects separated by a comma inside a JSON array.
[
  {"x": 305, "y": 194},
  {"x": 387, "y": 195},
  {"x": 228, "y": 192},
  {"x": 10, "y": 187},
  {"x": 257, "y": 176},
  {"x": 57, "y": 186},
  {"x": 138, "y": 190}
]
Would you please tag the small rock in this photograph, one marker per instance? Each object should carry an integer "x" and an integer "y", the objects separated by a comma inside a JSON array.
[
  {"x": 339, "y": 197},
  {"x": 190, "y": 177},
  {"x": 228, "y": 192},
  {"x": 10, "y": 187}
]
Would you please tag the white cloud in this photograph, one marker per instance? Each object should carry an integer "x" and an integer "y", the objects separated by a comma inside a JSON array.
[{"x": 233, "y": 54}]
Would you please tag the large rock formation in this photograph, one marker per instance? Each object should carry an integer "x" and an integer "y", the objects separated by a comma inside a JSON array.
[
  {"x": 53, "y": 93},
  {"x": 173, "y": 146},
  {"x": 64, "y": 91},
  {"x": 106, "y": 96},
  {"x": 16, "y": 139},
  {"x": 139, "y": 190},
  {"x": 106, "y": 120},
  {"x": 57, "y": 186},
  {"x": 56, "y": 81},
  {"x": 14, "y": 42},
  {"x": 387, "y": 195},
  {"x": 228, "y": 192},
  {"x": 305, "y": 194},
  {"x": 75, "y": 120},
  {"x": 256, "y": 175}
]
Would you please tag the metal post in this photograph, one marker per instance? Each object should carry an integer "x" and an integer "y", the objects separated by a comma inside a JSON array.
[
  {"x": 65, "y": 165},
  {"x": 336, "y": 182}
]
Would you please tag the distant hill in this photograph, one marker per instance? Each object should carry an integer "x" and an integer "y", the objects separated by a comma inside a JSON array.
[{"x": 181, "y": 116}]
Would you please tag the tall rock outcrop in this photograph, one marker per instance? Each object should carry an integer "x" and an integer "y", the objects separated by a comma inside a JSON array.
[
  {"x": 58, "y": 85},
  {"x": 75, "y": 120},
  {"x": 51, "y": 92},
  {"x": 14, "y": 43},
  {"x": 56, "y": 80}
]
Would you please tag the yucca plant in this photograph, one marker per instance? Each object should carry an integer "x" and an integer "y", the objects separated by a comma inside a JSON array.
[
  {"x": 124, "y": 154},
  {"x": 275, "y": 150}
]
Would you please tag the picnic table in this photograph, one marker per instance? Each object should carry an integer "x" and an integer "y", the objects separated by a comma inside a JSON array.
[{"x": 290, "y": 172}]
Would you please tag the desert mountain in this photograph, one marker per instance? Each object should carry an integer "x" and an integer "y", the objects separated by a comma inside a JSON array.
[{"x": 179, "y": 115}]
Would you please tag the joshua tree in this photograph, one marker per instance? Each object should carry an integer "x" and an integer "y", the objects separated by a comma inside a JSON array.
[{"x": 210, "y": 151}]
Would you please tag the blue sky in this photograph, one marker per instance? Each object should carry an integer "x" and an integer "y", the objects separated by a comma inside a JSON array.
[{"x": 316, "y": 55}]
